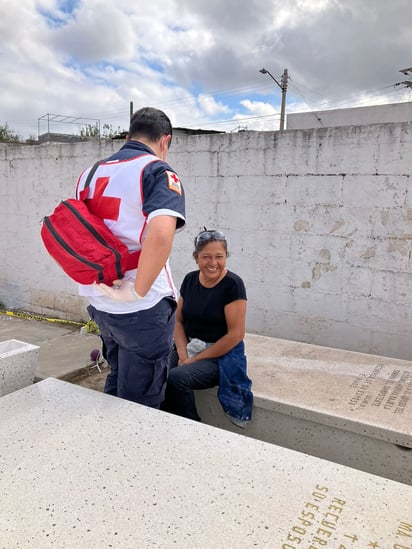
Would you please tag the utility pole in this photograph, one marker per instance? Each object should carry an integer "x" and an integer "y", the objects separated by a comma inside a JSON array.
[
  {"x": 407, "y": 83},
  {"x": 283, "y": 86},
  {"x": 131, "y": 110},
  {"x": 283, "y": 106}
]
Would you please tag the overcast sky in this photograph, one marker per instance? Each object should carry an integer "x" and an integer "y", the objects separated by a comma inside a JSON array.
[{"x": 198, "y": 60}]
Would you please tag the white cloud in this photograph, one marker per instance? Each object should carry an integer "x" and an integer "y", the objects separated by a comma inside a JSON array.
[
  {"x": 96, "y": 33},
  {"x": 197, "y": 60},
  {"x": 259, "y": 108},
  {"x": 210, "y": 106}
]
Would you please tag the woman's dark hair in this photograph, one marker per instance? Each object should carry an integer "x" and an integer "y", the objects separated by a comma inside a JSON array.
[
  {"x": 207, "y": 236},
  {"x": 150, "y": 123}
]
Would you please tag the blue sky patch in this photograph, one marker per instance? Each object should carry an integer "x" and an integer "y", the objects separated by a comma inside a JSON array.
[{"x": 59, "y": 17}]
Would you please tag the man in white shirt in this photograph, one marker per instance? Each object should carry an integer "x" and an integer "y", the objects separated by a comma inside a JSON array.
[{"x": 140, "y": 198}]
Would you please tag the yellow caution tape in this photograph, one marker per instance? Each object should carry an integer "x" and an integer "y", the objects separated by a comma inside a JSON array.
[{"x": 90, "y": 326}]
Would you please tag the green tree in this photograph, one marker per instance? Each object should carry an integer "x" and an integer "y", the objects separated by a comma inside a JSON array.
[
  {"x": 90, "y": 130},
  {"x": 109, "y": 132},
  {"x": 6, "y": 134}
]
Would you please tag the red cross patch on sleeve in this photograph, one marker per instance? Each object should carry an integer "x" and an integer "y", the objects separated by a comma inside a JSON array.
[{"x": 173, "y": 182}]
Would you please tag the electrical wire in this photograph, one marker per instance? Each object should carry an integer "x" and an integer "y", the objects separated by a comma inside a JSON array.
[
  {"x": 310, "y": 107},
  {"x": 232, "y": 120},
  {"x": 250, "y": 88},
  {"x": 347, "y": 102}
]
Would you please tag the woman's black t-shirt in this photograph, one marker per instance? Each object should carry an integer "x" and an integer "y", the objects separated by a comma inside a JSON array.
[{"x": 203, "y": 308}]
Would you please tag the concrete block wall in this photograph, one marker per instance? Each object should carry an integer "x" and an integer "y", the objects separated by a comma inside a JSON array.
[
  {"x": 319, "y": 224},
  {"x": 34, "y": 179},
  {"x": 377, "y": 114}
]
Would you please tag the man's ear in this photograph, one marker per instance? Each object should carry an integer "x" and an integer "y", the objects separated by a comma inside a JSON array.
[{"x": 165, "y": 142}]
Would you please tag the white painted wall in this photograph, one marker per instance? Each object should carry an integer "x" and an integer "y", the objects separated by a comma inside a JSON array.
[
  {"x": 377, "y": 114},
  {"x": 319, "y": 224}
]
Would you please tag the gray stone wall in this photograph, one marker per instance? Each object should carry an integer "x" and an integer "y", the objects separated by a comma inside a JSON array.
[{"x": 319, "y": 224}]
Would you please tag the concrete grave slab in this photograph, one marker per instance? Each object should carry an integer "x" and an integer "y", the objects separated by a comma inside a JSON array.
[
  {"x": 85, "y": 469},
  {"x": 351, "y": 408},
  {"x": 18, "y": 362}
]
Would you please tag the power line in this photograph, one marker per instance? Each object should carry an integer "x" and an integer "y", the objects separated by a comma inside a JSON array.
[
  {"x": 300, "y": 93},
  {"x": 194, "y": 100},
  {"x": 231, "y": 120},
  {"x": 350, "y": 100},
  {"x": 216, "y": 96},
  {"x": 250, "y": 88}
]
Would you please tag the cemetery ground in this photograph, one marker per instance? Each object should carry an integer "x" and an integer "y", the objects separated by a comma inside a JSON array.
[{"x": 90, "y": 377}]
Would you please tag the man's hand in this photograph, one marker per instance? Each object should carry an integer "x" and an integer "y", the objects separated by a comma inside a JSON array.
[{"x": 122, "y": 290}]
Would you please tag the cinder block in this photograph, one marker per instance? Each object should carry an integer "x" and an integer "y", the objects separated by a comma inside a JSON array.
[{"x": 18, "y": 361}]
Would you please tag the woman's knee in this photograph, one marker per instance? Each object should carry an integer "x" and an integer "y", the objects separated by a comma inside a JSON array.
[{"x": 178, "y": 379}]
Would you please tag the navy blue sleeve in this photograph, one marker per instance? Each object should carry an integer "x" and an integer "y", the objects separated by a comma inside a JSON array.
[{"x": 162, "y": 190}]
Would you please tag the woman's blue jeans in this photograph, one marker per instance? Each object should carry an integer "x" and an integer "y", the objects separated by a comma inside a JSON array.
[{"x": 183, "y": 380}]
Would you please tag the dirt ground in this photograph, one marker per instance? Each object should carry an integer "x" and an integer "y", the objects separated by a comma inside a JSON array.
[{"x": 91, "y": 378}]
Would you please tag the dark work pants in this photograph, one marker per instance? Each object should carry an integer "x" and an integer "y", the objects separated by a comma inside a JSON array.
[
  {"x": 180, "y": 399},
  {"x": 138, "y": 349}
]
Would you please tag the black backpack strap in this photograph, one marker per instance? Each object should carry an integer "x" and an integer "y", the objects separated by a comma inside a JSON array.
[
  {"x": 92, "y": 172},
  {"x": 83, "y": 193}
]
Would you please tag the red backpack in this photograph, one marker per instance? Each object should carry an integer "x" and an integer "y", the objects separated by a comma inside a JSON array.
[{"x": 82, "y": 244}]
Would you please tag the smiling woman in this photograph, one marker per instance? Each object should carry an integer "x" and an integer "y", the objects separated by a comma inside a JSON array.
[
  {"x": 211, "y": 257},
  {"x": 209, "y": 332}
]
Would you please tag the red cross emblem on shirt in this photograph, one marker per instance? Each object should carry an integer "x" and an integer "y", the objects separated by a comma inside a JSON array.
[
  {"x": 173, "y": 182},
  {"x": 105, "y": 207}
]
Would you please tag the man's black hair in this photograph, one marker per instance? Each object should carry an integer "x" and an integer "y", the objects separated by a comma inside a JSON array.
[{"x": 150, "y": 123}]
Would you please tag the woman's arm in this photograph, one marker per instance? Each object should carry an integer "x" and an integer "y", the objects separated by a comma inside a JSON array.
[
  {"x": 235, "y": 314},
  {"x": 179, "y": 333}
]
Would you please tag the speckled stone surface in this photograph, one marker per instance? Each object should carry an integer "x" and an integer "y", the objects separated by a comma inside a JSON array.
[
  {"x": 350, "y": 408},
  {"x": 18, "y": 362},
  {"x": 80, "y": 469},
  {"x": 360, "y": 393}
]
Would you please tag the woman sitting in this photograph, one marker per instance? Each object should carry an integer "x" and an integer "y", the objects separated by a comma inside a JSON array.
[{"x": 208, "y": 335}]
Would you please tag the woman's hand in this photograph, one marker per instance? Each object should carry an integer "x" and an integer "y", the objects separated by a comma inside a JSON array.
[
  {"x": 186, "y": 361},
  {"x": 179, "y": 334},
  {"x": 181, "y": 354}
]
